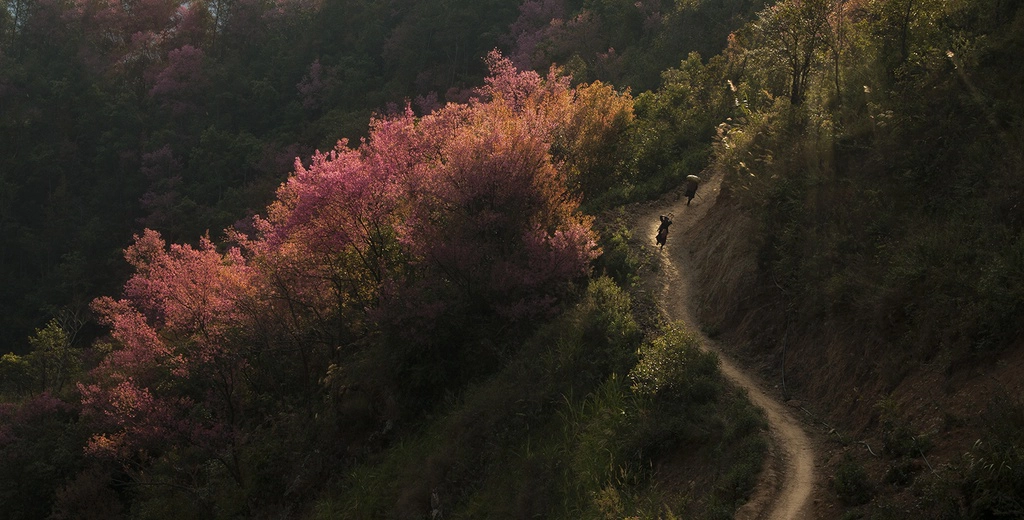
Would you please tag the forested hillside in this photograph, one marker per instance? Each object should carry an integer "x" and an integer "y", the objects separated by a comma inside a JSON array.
[
  {"x": 184, "y": 116},
  {"x": 209, "y": 317},
  {"x": 365, "y": 259}
]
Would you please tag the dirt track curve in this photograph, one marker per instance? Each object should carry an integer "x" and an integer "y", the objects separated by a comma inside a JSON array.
[{"x": 785, "y": 485}]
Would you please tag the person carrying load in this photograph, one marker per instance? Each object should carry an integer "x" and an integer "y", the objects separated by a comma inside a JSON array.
[
  {"x": 692, "y": 181},
  {"x": 666, "y": 221}
]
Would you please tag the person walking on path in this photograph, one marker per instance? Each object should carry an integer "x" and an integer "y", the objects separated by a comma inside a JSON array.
[
  {"x": 663, "y": 231},
  {"x": 692, "y": 181}
]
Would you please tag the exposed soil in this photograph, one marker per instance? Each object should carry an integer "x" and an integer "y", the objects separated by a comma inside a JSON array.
[{"x": 786, "y": 485}]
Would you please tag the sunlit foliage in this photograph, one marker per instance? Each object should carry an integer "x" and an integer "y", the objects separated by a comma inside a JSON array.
[{"x": 431, "y": 223}]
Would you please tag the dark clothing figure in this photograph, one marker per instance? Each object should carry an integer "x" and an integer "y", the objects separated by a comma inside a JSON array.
[
  {"x": 691, "y": 187},
  {"x": 663, "y": 231}
]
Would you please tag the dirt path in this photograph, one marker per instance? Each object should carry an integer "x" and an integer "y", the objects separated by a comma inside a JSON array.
[{"x": 784, "y": 487}]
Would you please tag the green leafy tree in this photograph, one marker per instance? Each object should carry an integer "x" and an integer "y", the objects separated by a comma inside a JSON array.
[
  {"x": 790, "y": 36},
  {"x": 54, "y": 360},
  {"x": 593, "y": 139},
  {"x": 14, "y": 373},
  {"x": 670, "y": 135}
]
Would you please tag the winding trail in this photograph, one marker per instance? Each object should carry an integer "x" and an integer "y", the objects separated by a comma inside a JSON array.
[{"x": 785, "y": 485}]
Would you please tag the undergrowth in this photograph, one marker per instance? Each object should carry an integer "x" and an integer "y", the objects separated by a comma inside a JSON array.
[{"x": 588, "y": 420}]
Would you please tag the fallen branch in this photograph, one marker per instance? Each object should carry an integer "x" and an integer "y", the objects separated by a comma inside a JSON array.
[{"x": 866, "y": 445}]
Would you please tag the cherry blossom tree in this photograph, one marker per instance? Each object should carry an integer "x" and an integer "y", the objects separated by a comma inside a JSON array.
[
  {"x": 172, "y": 375},
  {"x": 461, "y": 214},
  {"x": 180, "y": 82}
]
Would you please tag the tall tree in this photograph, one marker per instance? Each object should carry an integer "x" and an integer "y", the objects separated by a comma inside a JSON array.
[{"x": 792, "y": 33}]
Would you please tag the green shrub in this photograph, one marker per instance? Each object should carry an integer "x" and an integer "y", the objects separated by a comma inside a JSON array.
[
  {"x": 901, "y": 472},
  {"x": 993, "y": 471},
  {"x": 619, "y": 258},
  {"x": 851, "y": 483},
  {"x": 673, "y": 367},
  {"x": 898, "y": 439}
]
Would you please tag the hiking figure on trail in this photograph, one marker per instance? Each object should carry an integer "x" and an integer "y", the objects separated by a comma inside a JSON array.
[
  {"x": 691, "y": 187},
  {"x": 663, "y": 231}
]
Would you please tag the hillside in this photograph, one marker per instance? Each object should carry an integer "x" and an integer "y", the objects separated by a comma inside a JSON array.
[
  {"x": 865, "y": 253},
  {"x": 185, "y": 116},
  {"x": 412, "y": 325},
  {"x": 393, "y": 260}
]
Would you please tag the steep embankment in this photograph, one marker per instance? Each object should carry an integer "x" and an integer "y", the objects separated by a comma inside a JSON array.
[{"x": 785, "y": 487}]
